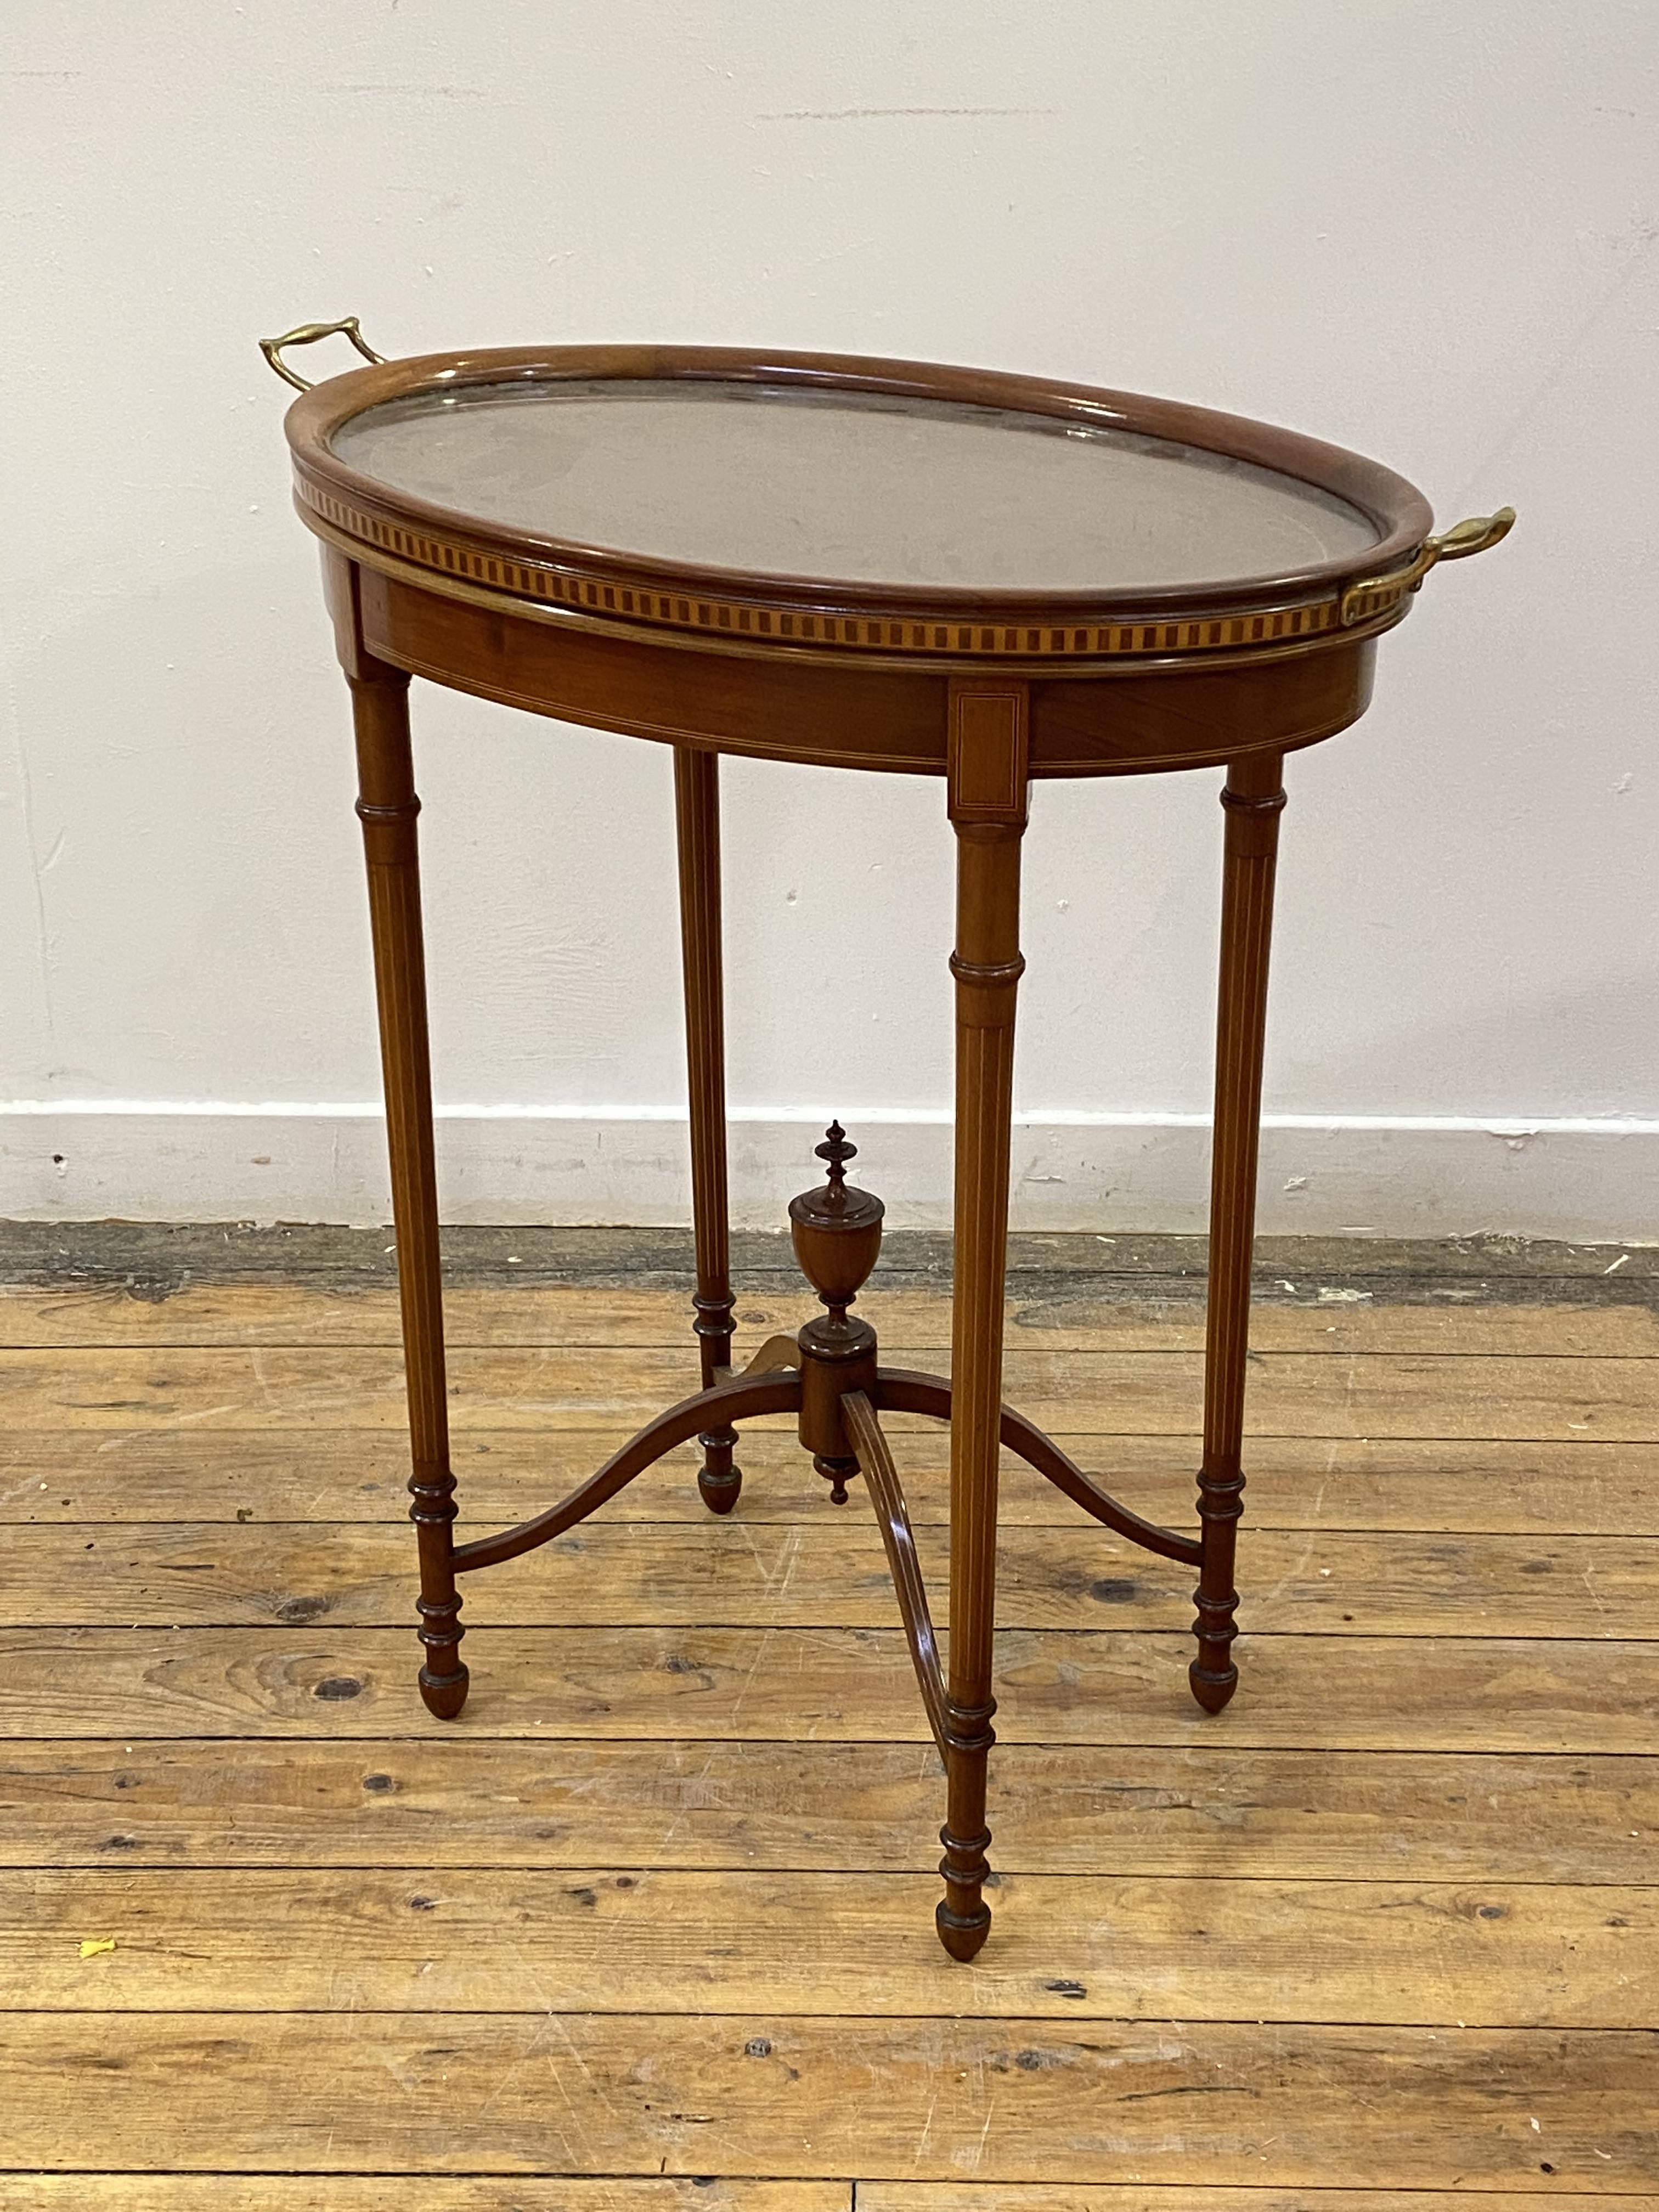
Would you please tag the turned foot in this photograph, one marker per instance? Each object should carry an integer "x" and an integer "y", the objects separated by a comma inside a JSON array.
[
  {"x": 1220, "y": 1503},
  {"x": 1212, "y": 1673},
  {"x": 443, "y": 1678},
  {"x": 1212, "y": 1686},
  {"x": 719, "y": 1481},
  {"x": 962, "y": 1934},
  {"x": 444, "y": 1694},
  {"x": 962, "y": 1916}
]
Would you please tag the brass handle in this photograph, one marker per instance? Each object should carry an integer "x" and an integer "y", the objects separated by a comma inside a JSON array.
[
  {"x": 308, "y": 334},
  {"x": 1475, "y": 536}
]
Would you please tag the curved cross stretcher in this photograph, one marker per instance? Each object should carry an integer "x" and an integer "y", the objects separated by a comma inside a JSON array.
[{"x": 829, "y": 1375}]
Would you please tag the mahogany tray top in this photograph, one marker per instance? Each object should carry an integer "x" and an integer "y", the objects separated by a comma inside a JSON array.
[{"x": 815, "y": 510}]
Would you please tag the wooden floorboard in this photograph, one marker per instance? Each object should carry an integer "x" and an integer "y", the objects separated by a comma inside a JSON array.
[
  {"x": 449, "y": 1800},
  {"x": 1417, "y": 1485},
  {"x": 951, "y": 2197},
  {"x": 1053, "y": 1685},
  {"x": 543, "y": 1387},
  {"x": 738, "y": 1575},
  {"x": 1032, "y": 2100},
  {"x": 277, "y": 2192},
  {"x": 1068, "y": 1947},
  {"x": 1336, "y": 1318},
  {"x": 226, "y": 2192},
  {"x": 650, "y": 1927}
]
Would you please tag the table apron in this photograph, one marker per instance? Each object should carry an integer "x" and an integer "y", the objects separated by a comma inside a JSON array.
[{"x": 768, "y": 706}]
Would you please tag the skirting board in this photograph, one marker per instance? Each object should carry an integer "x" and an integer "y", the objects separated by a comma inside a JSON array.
[{"x": 1582, "y": 1181}]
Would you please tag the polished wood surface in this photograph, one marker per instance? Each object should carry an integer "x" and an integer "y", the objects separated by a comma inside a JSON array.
[
  {"x": 836, "y": 1231},
  {"x": 387, "y": 807},
  {"x": 767, "y": 613},
  {"x": 866, "y": 716},
  {"x": 359, "y": 1953},
  {"x": 898, "y": 1538},
  {"x": 1253, "y": 800},
  {"x": 989, "y": 747},
  {"x": 698, "y": 817}
]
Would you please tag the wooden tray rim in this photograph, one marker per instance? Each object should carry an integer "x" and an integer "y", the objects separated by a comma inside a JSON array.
[{"x": 765, "y": 610}]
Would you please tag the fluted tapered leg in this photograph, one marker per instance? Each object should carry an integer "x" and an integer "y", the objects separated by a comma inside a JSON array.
[
  {"x": 1254, "y": 802},
  {"x": 696, "y": 804},
  {"x": 987, "y": 811},
  {"x": 388, "y": 806}
]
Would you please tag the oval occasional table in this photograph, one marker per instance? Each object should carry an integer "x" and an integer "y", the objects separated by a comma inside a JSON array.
[{"x": 872, "y": 565}]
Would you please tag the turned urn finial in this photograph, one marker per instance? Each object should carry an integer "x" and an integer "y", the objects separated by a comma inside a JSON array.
[
  {"x": 836, "y": 1229},
  {"x": 837, "y": 1234}
]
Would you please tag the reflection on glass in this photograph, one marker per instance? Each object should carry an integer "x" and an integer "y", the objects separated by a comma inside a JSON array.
[{"x": 853, "y": 487}]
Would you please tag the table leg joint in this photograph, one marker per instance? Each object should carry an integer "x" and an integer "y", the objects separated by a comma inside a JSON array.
[
  {"x": 903, "y": 1390},
  {"x": 737, "y": 1399},
  {"x": 777, "y": 1352}
]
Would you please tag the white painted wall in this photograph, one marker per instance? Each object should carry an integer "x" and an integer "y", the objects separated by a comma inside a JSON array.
[{"x": 1422, "y": 229}]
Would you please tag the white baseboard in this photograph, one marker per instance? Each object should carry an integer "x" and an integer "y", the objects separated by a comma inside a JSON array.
[{"x": 1584, "y": 1181}]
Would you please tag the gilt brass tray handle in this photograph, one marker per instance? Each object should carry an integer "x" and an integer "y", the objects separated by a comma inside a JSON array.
[
  {"x": 308, "y": 334},
  {"x": 1369, "y": 593}
]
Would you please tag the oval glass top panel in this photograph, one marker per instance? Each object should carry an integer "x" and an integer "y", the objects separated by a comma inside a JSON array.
[{"x": 846, "y": 486}]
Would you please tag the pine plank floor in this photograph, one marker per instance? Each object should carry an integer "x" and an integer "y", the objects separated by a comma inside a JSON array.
[{"x": 651, "y": 1926}]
